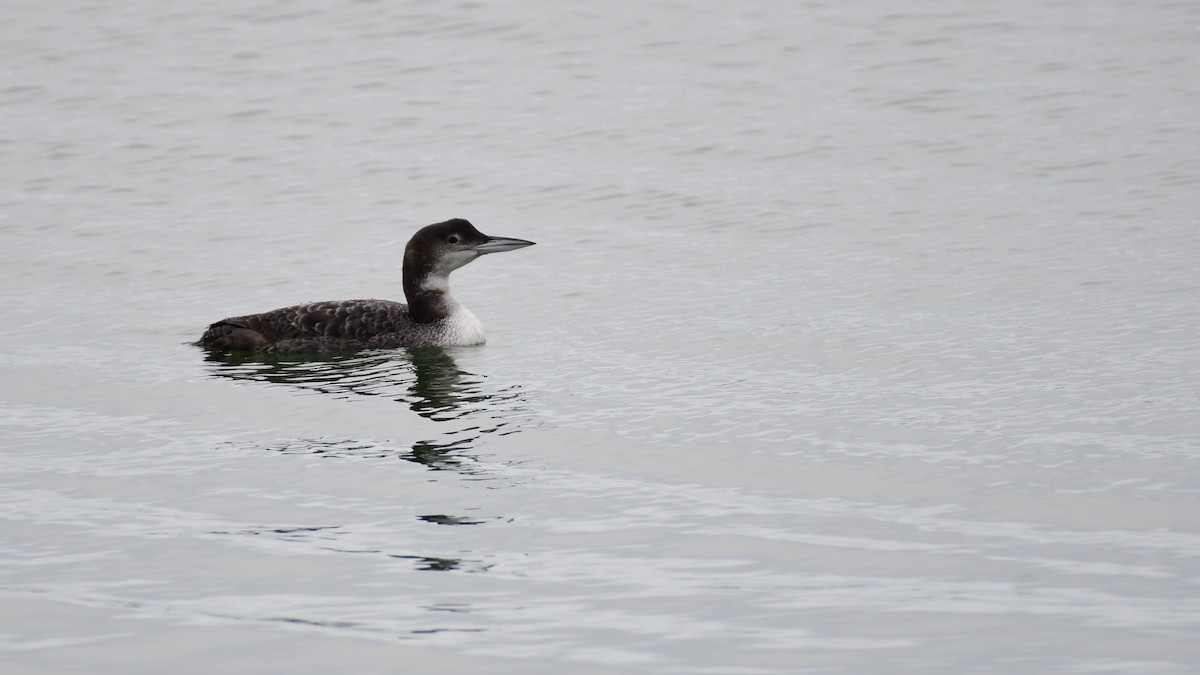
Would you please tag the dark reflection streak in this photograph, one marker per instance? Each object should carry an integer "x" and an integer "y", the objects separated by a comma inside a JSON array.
[
  {"x": 292, "y": 530},
  {"x": 289, "y": 534},
  {"x": 439, "y": 456},
  {"x": 320, "y": 624},
  {"x": 423, "y": 562},
  {"x": 455, "y": 608},
  {"x": 432, "y": 564},
  {"x": 425, "y": 379},
  {"x": 347, "y": 625},
  {"x": 449, "y": 520}
]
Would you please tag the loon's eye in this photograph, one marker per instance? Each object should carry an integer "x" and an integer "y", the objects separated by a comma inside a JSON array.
[{"x": 453, "y": 239}]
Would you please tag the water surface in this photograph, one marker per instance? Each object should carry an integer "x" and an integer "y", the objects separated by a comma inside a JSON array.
[{"x": 857, "y": 339}]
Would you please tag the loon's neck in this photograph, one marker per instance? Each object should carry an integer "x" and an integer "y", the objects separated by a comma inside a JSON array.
[{"x": 429, "y": 297}]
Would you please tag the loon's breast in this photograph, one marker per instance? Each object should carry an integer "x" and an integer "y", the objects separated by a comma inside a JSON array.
[{"x": 462, "y": 328}]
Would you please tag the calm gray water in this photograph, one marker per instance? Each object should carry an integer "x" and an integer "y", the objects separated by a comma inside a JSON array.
[{"x": 860, "y": 337}]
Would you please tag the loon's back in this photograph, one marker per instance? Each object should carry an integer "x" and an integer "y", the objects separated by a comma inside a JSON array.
[{"x": 341, "y": 325}]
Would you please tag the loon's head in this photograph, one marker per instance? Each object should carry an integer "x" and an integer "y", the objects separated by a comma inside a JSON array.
[
  {"x": 441, "y": 248},
  {"x": 437, "y": 250}
]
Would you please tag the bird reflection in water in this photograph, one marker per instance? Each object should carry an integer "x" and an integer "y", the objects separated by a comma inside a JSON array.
[{"x": 426, "y": 379}]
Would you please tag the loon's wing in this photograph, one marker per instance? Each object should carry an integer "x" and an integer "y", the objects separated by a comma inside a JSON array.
[{"x": 337, "y": 321}]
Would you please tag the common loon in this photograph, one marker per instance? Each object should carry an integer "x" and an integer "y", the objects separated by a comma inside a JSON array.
[{"x": 432, "y": 317}]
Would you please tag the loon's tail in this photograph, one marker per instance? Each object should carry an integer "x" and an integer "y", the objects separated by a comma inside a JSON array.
[{"x": 232, "y": 336}]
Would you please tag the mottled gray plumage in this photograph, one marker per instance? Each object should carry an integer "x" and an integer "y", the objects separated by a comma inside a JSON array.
[
  {"x": 431, "y": 318},
  {"x": 323, "y": 326}
]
